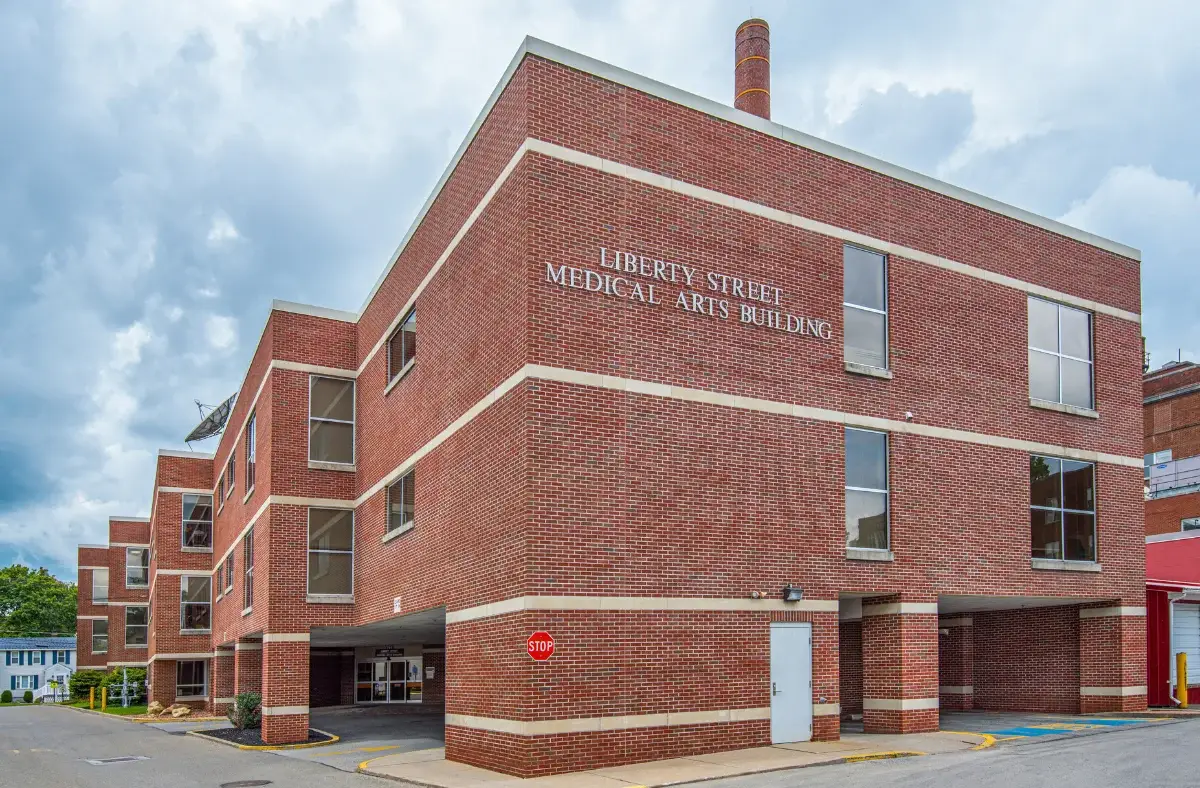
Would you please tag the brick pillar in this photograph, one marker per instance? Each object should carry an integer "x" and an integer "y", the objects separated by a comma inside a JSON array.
[
  {"x": 221, "y": 682},
  {"x": 827, "y": 723},
  {"x": 956, "y": 663},
  {"x": 346, "y": 685},
  {"x": 285, "y": 687},
  {"x": 161, "y": 673},
  {"x": 1112, "y": 658},
  {"x": 247, "y": 666},
  {"x": 850, "y": 668},
  {"x": 433, "y": 689},
  {"x": 900, "y": 667}
]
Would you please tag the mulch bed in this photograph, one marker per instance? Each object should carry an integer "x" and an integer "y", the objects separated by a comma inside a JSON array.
[{"x": 253, "y": 736}]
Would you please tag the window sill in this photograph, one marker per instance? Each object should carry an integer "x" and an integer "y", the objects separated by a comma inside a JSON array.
[
  {"x": 399, "y": 376},
  {"x": 248, "y": 494},
  {"x": 127, "y": 645},
  {"x": 1064, "y": 566},
  {"x": 1073, "y": 410},
  {"x": 868, "y": 554},
  {"x": 247, "y": 611},
  {"x": 871, "y": 372},
  {"x": 346, "y": 467},
  {"x": 190, "y": 697},
  {"x": 330, "y": 599},
  {"x": 195, "y": 549},
  {"x": 195, "y": 631},
  {"x": 390, "y": 535},
  {"x": 137, "y": 588}
]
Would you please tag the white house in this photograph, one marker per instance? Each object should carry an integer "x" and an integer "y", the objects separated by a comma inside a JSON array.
[{"x": 34, "y": 663}]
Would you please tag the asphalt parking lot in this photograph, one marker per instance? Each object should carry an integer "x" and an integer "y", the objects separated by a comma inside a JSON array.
[
  {"x": 371, "y": 732},
  {"x": 1011, "y": 726}
]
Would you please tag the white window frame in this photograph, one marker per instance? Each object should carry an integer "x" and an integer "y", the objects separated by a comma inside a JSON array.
[
  {"x": 887, "y": 480},
  {"x": 248, "y": 570},
  {"x": 887, "y": 356},
  {"x": 146, "y": 626},
  {"x": 183, "y": 580},
  {"x": 396, "y": 374},
  {"x": 184, "y": 523},
  {"x": 311, "y": 550},
  {"x": 128, "y": 551},
  {"x": 103, "y": 621},
  {"x": 230, "y": 563},
  {"x": 203, "y": 686},
  {"x": 100, "y": 573},
  {"x": 1064, "y": 511},
  {"x": 1193, "y": 522},
  {"x": 1060, "y": 355},
  {"x": 251, "y": 450},
  {"x": 403, "y": 527},
  {"x": 353, "y": 418},
  {"x": 36, "y": 658},
  {"x": 25, "y": 682},
  {"x": 230, "y": 474}
]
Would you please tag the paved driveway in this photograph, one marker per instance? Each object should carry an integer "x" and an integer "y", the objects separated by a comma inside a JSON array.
[
  {"x": 369, "y": 732},
  {"x": 1009, "y": 726}
]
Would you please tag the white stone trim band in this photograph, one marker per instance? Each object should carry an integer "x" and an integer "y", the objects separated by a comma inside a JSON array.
[
  {"x": 614, "y": 723},
  {"x": 1112, "y": 692},
  {"x": 950, "y": 623},
  {"x": 827, "y": 709},
  {"x": 185, "y": 490},
  {"x": 247, "y": 646},
  {"x": 223, "y": 700},
  {"x": 128, "y": 544},
  {"x": 283, "y": 711},
  {"x": 899, "y": 704},
  {"x": 116, "y": 518},
  {"x": 286, "y": 637},
  {"x": 967, "y": 690},
  {"x": 127, "y": 664},
  {"x": 192, "y": 655},
  {"x": 1111, "y": 612},
  {"x": 635, "y": 604},
  {"x": 91, "y": 618},
  {"x": 900, "y": 608},
  {"x": 94, "y": 568}
]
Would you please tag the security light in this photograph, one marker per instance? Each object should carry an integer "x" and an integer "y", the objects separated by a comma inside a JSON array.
[{"x": 792, "y": 593}]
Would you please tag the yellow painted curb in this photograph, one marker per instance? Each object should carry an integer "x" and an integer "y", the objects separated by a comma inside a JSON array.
[
  {"x": 303, "y": 746},
  {"x": 880, "y": 756},
  {"x": 988, "y": 739}
]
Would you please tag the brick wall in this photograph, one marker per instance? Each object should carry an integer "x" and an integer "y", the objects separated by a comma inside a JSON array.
[
  {"x": 850, "y": 668},
  {"x": 1165, "y": 515},
  {"x": 1027, "y": 660}
]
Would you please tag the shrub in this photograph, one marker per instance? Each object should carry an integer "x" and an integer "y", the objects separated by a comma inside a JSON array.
[
  {"x": 6, "y": 696},
  {"x": 83, "y": 680},
  {"x": 245, "y": 711},
  {"x": 28, "y": 696}
]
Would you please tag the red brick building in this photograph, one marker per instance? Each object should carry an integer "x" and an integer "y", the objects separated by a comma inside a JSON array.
[
  {"x": 1171, "y": 426},
  {"x": 763, "y": 432}
]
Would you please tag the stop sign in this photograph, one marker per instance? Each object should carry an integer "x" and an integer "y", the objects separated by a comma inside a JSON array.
[{"x": 540, "y": 646}]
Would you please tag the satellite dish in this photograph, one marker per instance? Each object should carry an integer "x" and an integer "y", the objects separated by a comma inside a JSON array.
[{"x": 213, "y": 423}]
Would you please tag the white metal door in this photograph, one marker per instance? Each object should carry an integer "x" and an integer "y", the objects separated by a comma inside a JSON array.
[
  {"x": 1185, "y": 636},
  {"x": 791, "y": 682}
]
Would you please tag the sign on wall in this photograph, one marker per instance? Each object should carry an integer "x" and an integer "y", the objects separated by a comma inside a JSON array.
[
  {"x": 540, "y": 646},
  {"x": 711, "y": 294}
]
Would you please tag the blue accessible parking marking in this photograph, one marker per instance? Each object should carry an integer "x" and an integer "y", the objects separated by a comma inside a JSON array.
[{"x": 1060, "y": 728}]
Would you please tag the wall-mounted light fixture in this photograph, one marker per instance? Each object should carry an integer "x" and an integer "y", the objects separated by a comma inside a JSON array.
[{"x": 792, "y": 593}]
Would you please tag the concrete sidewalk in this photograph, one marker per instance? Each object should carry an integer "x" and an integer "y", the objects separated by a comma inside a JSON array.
[{"x": 430, "y": 767}]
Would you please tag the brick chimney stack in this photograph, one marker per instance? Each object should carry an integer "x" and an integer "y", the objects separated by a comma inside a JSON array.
[{"x": 752, "y": 68}]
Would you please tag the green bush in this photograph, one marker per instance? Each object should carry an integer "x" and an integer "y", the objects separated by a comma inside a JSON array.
[
  {"x": 246, "y": 711},
  {"x": 28, "y": 696},
  {"x": 6, "y": 696},
  {"x": 83, "y": 680}
]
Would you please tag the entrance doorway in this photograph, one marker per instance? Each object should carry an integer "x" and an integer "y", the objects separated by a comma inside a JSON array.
[
  {"x": 388, "y": 680},
  {"x": 791, "y": 682}
]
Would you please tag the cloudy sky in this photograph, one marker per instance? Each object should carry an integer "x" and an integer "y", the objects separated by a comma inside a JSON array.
[{"x": 168, "y": 168}]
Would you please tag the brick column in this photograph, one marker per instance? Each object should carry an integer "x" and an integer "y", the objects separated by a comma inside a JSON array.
[
  {"x": 900, "y": 667},
  {"x": 221, "y": 682},
  {"x": 956, "y": 663},
  {"x": 161, "y": 673},
  {"x": 348, "y": 676},
  {"x": 1112, "y": 658},
  {"x": 434, "y": 689},
  {"x": 247, "y": 666},
  {"x": 285, "y": 687},
  {"x": 827, "y": 723}
]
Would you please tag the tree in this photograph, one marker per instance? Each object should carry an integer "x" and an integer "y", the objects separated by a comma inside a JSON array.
[{"x": 34, "y": 602}]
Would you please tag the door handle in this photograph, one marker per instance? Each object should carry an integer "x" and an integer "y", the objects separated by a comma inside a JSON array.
[{"x": 774, "y": 691}]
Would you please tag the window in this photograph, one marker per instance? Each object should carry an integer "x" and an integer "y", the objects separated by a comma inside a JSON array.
[
  {"x": 1189, "y": 524},
  {"x": 230, "y": 474},
  {"x": 331, "y": 420},
  {"x": 248, "y": 570},
  {"x": 36, "y": 658},
  {"x": 250, "y": 452},
  {"x": 229, "y": 573},
  {"x": 195, "y": 602},
  {"x": 402, "y": 346},
  {"x": 221, "y": 491},
  {"x": 401, "y": 498},
  {"x": 24, "y": 682},
  {"x": 866, "y": 490},
  {"x": 137, "y": 621},
  {"x": 197, "y": 522},
  {"x": 190, "y": 678},
  {"x": 1062, "y": 508},
  {"x": 330, "y": 551},
  {"x": 864, "y": 306},
  {"x": 99, "y": 585},
  {"x": 1060, "y": 354},
  {"x": 99, "y": 637},
  {"x": 137, "y": 567}
]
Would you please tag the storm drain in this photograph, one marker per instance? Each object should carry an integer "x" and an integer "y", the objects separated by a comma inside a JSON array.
[
  {"x": 118, "y": 759},
  {"x": 246, "y": 784}
]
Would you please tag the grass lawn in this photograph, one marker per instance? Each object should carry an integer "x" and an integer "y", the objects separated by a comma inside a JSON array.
[{"x": 119, "y": 710}]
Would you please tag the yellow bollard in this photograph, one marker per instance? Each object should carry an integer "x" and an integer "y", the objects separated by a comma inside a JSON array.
[
  {"x": 1181, "y": 682},
  {"x": 103, "y": 698},
  {"x": 92, "y": 698}
]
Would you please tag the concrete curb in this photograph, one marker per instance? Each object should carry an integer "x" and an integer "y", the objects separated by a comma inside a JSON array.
[
  {"x": 988, "y": 739},
  {"x": 138, "y": 718},
  {"x": 266, "y": 747}
]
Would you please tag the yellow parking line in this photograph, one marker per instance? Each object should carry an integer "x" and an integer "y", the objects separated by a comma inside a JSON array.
[{"x": 379, "y": 749}]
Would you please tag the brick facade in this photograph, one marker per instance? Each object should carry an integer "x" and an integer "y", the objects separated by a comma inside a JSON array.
[{"x": 641, "y": 480}]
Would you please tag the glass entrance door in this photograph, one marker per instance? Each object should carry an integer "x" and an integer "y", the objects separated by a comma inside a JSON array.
[{"x": 388, "y": 680}]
